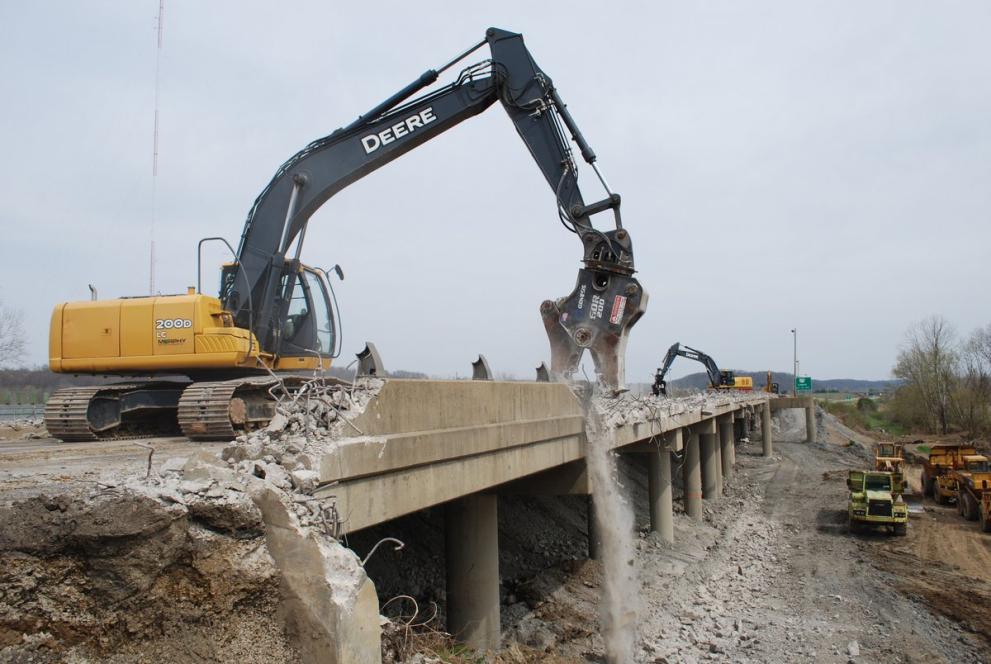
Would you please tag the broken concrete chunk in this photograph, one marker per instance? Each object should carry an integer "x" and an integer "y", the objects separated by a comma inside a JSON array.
[
  {"x": 195, "y": 486},
  {"x": 278, "y": 423},
  {"x": 274, "y": 474},
  {"x": 172, "y": 466},
  {"x": 305, "y": 481},
  {"x": 329, "y": 600}
]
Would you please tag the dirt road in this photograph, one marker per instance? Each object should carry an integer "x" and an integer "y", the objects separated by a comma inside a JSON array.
[
  {"x": 32, "y": 465},
  {"x": 773, "y": 575}
]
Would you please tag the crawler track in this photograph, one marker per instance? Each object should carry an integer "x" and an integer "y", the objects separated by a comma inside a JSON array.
[
  {"x": 220, "y": 410},
  {"x": 210, "y": 410},
  {"x": 113, "y": 412},
  {"x": 65, "y": 414}
]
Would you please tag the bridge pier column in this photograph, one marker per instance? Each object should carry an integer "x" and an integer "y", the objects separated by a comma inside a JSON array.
[
  {"x": 765, "y": 429},
  {"x": 659, "y": 490},
  {"x": 810, "y": 421},
  {"x": 739, "y": 426},
  {"x": 692, "y": 479},
  {"x": 472, "y": 548},
  {"x": 711, "y": 474},
  {"x": 727, "y": 448}
]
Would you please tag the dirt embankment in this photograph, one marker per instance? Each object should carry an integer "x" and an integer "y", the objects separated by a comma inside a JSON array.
[
  {"x": 209, "y": 558},
  {"x": 112, "y": 576}
]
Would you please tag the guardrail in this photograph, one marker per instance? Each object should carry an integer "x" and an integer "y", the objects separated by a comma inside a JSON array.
[{"x": 22, "y": 411}]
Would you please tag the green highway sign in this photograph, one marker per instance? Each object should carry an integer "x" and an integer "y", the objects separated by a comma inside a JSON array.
[{"x": 803, "y": 383}]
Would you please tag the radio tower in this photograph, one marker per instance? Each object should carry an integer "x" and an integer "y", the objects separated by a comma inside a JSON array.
[{"x": 154, "y": 156}]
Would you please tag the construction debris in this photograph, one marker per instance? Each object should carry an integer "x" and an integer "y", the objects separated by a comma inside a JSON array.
[{"x": 219, "y": 559}]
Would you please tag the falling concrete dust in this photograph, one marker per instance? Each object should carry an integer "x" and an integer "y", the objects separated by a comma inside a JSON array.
[{"x": 614, "y": 523}]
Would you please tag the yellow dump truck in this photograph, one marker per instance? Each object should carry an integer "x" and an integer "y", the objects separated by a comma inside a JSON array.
[
  {"x": 938, "y": 481},
  {"x": 876, "y": 500},
  {"x": 973, "y": 480},
  {"x": 889, "y": 457}
]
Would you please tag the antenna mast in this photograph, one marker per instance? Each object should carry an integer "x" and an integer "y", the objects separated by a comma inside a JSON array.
[{"x": 154, "y": 156}]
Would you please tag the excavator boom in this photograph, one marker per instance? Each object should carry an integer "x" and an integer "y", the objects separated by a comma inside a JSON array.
[
  {"x": 606, "y": 300},
  {"x": 717, "y": 379}
]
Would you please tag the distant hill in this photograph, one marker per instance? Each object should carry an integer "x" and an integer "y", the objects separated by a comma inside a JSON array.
[{"x": 700, "y": 381}]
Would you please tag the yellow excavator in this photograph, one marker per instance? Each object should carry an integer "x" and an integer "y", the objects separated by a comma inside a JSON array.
[
  {"x": 211, "y": 359},
  {"x": 719, "y": 379}
]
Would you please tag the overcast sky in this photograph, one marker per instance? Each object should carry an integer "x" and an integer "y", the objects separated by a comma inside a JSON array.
[{"x": 825, "y": 165}]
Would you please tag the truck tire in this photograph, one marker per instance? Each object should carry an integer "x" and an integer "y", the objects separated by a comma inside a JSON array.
[
  {"x": 900, "y": 529},
  {"x": 927, "y": 485},
  {"x": 985, "y": 522},
  {"x": 970, "y": 507},
  {"x": 960, "y": 505}
]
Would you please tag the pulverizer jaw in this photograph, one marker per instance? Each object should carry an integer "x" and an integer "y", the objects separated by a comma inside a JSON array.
[{"x": 597, "y": 316}]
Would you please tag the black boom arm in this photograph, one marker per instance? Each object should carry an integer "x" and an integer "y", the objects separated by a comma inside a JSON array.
[
  {"x": 606, "y": 301},
  {"x": 676, "y": 350}
]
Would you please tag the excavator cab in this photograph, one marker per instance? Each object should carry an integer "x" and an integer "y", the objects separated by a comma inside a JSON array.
[
  {"x": 309, "y": 328},
  {"x": 308, "y": 332},
  {"x": 727, "y": 379}
]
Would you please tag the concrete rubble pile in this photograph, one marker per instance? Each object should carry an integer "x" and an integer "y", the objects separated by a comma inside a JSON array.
[
  {"x": 215, "y": 558},
  {"x": 628, "y": 408},
  {"x": 30, "y": 428}
]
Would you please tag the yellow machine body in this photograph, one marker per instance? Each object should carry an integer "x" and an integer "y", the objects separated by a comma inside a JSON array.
[
  {"x": 743, "y": 383},
  {"x": 148, "y": 335}
]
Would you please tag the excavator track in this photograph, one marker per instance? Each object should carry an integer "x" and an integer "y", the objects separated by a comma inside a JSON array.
[
  {"x": 65, "y": 414},
  {"x": 220, "y": 410},
  {"x": 113, "y": 412}
]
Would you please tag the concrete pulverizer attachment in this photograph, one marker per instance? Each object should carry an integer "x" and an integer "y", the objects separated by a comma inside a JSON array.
[
  {"x": 597, "y": 316},
  {"x": 369, "y": 362},
  {"x": 480, "y": 369},
  {"x": 543, "y": 374}
]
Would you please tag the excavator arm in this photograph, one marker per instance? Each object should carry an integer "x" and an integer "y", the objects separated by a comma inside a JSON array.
[
  {"x": 716, "y": 377},
  {"x": 606, "y": 301}
]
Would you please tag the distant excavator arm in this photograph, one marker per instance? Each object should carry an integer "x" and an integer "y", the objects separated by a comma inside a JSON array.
[
  {"x": 606, "y": 301},
  {"x": 716, "y": 377}
]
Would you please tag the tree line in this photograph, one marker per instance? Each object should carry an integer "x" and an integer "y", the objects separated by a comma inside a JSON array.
[{"x": 947, "y": 379}]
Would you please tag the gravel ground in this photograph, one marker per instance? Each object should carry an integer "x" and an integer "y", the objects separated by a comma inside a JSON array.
[{"x": 771, "y": 575}]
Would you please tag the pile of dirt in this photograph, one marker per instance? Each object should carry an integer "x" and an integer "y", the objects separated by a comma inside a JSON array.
[
  {"x": 210, "y": 559},
  {"x": 109, "y": 575}
]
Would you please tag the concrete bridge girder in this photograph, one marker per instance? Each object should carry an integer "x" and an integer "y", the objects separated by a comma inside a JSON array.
[{"x": 480, "y": 438}]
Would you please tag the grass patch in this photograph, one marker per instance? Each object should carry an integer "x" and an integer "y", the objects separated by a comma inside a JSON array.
[{"x": 864, "y": 415}]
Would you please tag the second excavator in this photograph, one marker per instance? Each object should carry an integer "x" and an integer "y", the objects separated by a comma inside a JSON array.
[
  {"x": 718, "y": 379},
  {"x": 211, "y": 359}
]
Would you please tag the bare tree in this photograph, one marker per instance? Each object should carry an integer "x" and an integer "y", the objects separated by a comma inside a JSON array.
[
  {"x": 12, "y": 337},
  {"x": 928, "y": 363},
  {"x": 972, "y": 397}
]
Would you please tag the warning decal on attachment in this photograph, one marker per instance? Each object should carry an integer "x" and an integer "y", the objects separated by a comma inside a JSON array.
[{"x": 618, "y": 308}]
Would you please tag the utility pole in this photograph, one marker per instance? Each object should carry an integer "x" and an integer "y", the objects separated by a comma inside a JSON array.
[{"x": 794, "y": 334}]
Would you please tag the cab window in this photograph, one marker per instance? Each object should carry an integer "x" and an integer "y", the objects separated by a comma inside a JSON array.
[
  {"x": 298, "y": 316},
  {"x": 321, "y": 313},
  {"x": 878, "y": 483}
]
